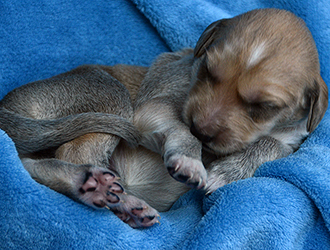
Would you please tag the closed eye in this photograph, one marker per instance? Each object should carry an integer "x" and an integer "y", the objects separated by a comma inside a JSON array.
[
  {"x": 262, "y": 111},
  {"x": 205, "y": 73}
]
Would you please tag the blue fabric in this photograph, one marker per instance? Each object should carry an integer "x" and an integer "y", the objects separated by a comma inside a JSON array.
[{"x": 285, "y": 206}]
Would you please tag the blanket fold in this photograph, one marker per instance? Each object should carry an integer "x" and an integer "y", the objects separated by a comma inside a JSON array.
[{"x": 286, "y": 205}]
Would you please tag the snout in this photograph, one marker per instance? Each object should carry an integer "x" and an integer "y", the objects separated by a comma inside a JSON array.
[
  {"x": 199, "y": 135},
  {"x": 216, "y": 139}
]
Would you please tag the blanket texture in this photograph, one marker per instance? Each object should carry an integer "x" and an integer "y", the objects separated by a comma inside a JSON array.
[{"x": 286, "y": 205}]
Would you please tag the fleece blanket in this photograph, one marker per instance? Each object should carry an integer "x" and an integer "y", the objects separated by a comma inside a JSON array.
[{"x": 286, "y": 205}]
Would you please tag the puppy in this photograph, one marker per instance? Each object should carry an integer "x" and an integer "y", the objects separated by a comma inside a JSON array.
[
  {"x": 250, "y": 92},
  {"x": 257, "y": 92}
]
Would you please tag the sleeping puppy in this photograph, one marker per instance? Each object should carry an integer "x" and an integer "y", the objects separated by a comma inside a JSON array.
[
  {"x": 257, "y": 92},
  {"x": 250, "y": 92}
]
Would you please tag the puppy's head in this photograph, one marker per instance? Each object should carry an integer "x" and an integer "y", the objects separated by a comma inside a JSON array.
[{"x": 254, "y": 75}]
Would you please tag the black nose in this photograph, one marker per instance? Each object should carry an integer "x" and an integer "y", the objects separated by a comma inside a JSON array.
[{"x": 199, "y": 135}]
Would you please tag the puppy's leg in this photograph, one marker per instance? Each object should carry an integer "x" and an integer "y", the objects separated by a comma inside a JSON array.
[
  {"x": 76, "y": 181},
  {"x": 93, "y": 186},
  {"x": 143, "y": 175},
  {"x": 157, "y": 115},
  {"x": 93, "y": 148},
  {"x": 182, "y": 157},
  {"x": 243, "y": 164},
  {"x": 163, "y": 133}
]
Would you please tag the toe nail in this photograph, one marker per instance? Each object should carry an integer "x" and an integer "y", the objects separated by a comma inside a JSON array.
[{"x": 208, "y": 192}]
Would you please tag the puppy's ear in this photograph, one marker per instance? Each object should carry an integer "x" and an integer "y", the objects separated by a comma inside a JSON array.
[
  {"x": 215, "y": 31},
  {"x": 318, "y": 104}
]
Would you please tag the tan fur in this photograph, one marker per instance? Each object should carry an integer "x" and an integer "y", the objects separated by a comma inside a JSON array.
[
  {"x": 129, "y": 75},
  {"x": 257, "y": 80},
  {"x": 236, "y": 102},
  {"x": 156, "y": 187}
]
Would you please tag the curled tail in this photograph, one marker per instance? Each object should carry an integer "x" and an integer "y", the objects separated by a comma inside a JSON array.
[{"x": 32, "y": 135}]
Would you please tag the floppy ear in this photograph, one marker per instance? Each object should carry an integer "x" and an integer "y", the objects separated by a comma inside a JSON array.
[
  {"x": 215, "y": 31},
  {"x": 318, "y": 104}
]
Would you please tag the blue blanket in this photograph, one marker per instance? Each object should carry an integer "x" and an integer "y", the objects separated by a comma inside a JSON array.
[{"x": 286, "y": 205}]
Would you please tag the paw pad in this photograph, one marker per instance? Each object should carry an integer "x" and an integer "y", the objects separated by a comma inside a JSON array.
[{"x": 187, "y": 170}]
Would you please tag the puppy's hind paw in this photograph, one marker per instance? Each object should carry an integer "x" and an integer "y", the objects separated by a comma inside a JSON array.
[
  {"x": 135, "y": 212},
  {"x": 100, "y": 188},
  {"x": 187, "y": 170}
]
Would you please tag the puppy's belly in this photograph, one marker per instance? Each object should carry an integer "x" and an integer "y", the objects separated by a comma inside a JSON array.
[{"x": 144, "y": 175}]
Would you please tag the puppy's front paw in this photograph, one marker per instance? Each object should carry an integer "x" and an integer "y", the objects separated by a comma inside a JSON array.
[
  {"x": 215, "y": 181},
  {"x": 100, "y": 188},
  {"x": 187, "y": 170},
  {"x": 229, "y": 169},
  {"x": 135, "y": 212}
]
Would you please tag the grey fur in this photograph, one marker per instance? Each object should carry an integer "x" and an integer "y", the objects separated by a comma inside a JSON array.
[
  {"x": 42, "y": 134},
  {"x": 157, "y": 111}
]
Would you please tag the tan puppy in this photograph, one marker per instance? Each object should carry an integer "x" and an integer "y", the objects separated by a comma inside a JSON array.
[
  {"x": 250, "y": 92},
  {"x": 257, "y": 91}
]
